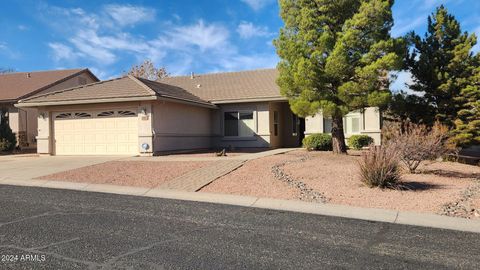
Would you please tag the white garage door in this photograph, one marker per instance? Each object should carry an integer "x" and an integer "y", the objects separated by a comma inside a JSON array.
[{"x": 112, "y": 132}]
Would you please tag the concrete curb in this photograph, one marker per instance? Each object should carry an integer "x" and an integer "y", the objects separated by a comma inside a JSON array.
[{"x": 370, "y": 214}]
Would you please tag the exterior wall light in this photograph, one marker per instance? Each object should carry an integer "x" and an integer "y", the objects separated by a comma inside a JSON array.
[{"x": 145, "y": 147}]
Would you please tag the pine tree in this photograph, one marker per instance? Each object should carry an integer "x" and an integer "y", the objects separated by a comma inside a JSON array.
[
  {"x": 441, "y": 64},
  {"x": 467, "y": 123},
  {"x": 335, "y": 57},
  {"x": 8, "y": 140}
]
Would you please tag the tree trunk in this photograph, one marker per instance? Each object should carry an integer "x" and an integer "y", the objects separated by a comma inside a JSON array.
[{"x": 338, "y": 137}]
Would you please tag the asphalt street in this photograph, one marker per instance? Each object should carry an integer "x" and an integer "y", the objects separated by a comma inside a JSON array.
[{"x": 60, "y": 229}]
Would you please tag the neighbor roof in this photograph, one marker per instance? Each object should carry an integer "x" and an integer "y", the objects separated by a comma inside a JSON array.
[
  {"x": 127, "y": 88},
  {"x": 18, "y": 85},
  {"x": 227, "y": 87}
]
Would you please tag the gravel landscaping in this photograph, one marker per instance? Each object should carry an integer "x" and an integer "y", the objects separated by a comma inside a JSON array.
[
  {"x": 128, "y": 173},
  {"x": 255, "y": 178},
  {"x": 442, "y": 187}
]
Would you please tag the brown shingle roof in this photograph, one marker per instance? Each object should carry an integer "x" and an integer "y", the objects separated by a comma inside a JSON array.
[
  {"x": 234, "y": 86},
  {"x": 14, "y": 86},
  {"x": 166, "y": 90},
  {"x": 127, "y": 87}
]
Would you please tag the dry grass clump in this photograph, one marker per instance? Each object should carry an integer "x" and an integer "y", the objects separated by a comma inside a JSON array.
[{"x": 379, "y": 166}]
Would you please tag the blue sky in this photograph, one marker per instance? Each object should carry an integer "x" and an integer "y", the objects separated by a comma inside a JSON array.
[{"x": 183, "y": 35}]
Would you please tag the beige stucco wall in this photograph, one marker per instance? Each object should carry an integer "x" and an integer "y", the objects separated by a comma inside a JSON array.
[
  {"x": 261, "y": 118},
  {"x": 13, "y": 118},
  {"x": 45, "y": 143},
  {"x": 370, "y": 123},
  {"x": 24, "y": 120},
  {"x": 314, "y": 124},
  {"x": 180, "y": 126}
]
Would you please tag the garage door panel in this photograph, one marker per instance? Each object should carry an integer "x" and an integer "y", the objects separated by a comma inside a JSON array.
[
  {"x": 90, "y": 124},
  {"x": 96, "y": 136},
  {"x": 89, "y": 148}
]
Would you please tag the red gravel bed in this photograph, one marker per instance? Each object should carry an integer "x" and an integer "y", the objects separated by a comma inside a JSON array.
[
  {"x": 128, "y": 173},
  {"x": 255, "y": 178},
  {"x": 336, "y": 177}
]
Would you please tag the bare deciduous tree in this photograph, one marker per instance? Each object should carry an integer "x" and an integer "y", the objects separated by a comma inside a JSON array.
[
  {"x": 6, "y": 70},
  {"x": 416, "y": 143},
  {"x": 147, "y": 70}
]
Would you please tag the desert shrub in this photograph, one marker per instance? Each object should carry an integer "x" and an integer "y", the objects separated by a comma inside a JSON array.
[
  {"x": 416, "y": 143},
  {"x": 359, "y": 141},
  {"x": 379, "y": 166},
  {"x": 8, "y": 140},
  {"x": 318, "y": 141}
]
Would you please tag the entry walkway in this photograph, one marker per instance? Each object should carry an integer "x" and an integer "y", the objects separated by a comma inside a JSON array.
[
  {"x": 199, "y": 178},
  {"x": 195, "y": 180}
]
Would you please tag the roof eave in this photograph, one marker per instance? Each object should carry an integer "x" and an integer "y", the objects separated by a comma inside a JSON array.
[
  {"x": 247, "y": 100},
  {"x": 21, "y": 104},
  {"x": 188, "y": 102}
]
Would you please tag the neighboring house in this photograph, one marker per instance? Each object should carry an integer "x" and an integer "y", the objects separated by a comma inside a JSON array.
[
  {"x": 133, "y": 116},
  {"x": 20, "y": 85}
]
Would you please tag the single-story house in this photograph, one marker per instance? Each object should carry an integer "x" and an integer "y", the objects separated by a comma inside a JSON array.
[
  {"x": 21, "y": 85},
  {"x": 131, "y": 115}
]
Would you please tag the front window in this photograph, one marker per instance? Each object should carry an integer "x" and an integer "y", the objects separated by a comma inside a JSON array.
[
  {"x": 239, "y": 124},
  {"x": 327, "y": 125},
  {"x": 352, "y": 124},
  {"x": 295, "y": 124},
  {"x": 275, "y": 123}
]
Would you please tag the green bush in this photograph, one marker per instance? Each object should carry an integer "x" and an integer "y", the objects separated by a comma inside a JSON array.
[
  {"x": 318, "y": 141},
  {"x": 359, "y": 141},
  {"x": 379, "y": 167},
  {"x": 8, "y": 140}
]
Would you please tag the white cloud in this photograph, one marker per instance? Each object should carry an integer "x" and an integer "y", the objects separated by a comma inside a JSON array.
[
  {"x": 430, "y": 4},
  {"x": 180, "y": 48},
  {"x": 403, "y": 26},
  {"x": 256, "y": 61},
  {"x": 212, "y": 36},
  {"x": 3, "y": 46},
  {"x": 62, "y": 52},
  {"x": 258, "y": 4},
  {"x": 91, "y": 36},
  {"x": 129, "y": 15},
  {"x": 22, "y": 27},
  {"x": 6, "y": 50},
  {"x": 248, "y": 30}
]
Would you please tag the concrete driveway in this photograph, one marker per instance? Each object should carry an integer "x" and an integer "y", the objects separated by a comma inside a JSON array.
[{"x": 25, "y": 167}]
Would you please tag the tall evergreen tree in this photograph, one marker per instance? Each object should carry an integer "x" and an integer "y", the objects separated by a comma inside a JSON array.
[
  {"x": 467, "y": 123},
  {"x": 441, "y": 64},
  {"x": 335, "y": 57}
]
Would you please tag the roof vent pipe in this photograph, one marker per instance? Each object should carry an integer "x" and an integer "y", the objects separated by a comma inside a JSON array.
[
  {"x": 29, "y": 75},
  {"x": 192, "y": 75}
]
